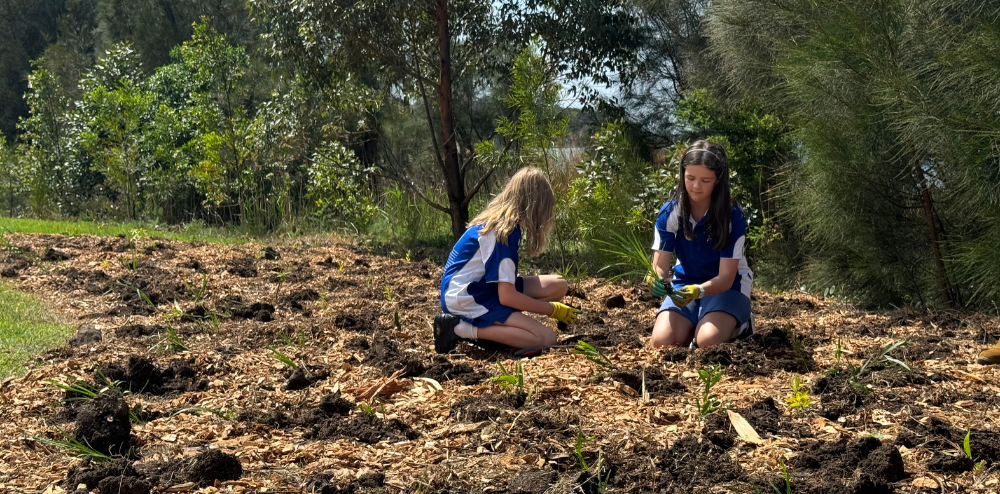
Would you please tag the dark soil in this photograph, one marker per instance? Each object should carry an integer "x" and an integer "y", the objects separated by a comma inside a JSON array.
[
  {"x": 327, "y": 484},
  {"x": 244, "y": 267},
  {"x": 532, "y": 482},
  {"x": 301, "y": 378},
  {"x": 210, "y": 466},
  {"x": 103, "y": 423},
  {"x": 384, "y": 354},
  {"x": 861, "y": 466},
  {"x": 358, "y": 323},
  {"x": 690, "y": 465},
  {"x": 270, "y": 254},
  {"x": 656, "y": 383},
  {"x": 363, "y": 427},
  {"x": 91, "y": 473},
  {"x": 942, "y": 463},
  {"x": 764, "y": 416},
  {"x": 357, "y": 343},
  {"x": 761, "y": 354},
  {"x": 86, "y": 334},
  {"x": 139, "y": 330},
  {"x": 55, "y": 255},
  {"x": 486, "y": 407},
  {"x": 297, "y": 298},
  {"x": 615, "y": 302},
  {"x": 441, "y": 369},
  {"x": 234, "y": 307},
  {"x": 123, "y": 485}
]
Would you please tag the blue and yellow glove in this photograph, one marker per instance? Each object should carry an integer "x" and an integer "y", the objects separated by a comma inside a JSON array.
[
  {"x": 687, "y": 294},
  {"x": 657, "y": 287},
  {"x": 564, "y": 313}
]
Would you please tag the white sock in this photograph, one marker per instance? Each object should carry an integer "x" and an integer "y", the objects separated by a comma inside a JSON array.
[{"x": 467, "y": 331}]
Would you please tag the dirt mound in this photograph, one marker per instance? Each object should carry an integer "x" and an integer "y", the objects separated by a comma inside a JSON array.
[
  {"x": 91, "y": 473},
  {"x": 211, "y": 466},
  {"x": 759, "y": 355},
  {"x": 234, "y": 307},
  {"x": 103, "y": 423},
  {"x": 244, "y": 267},
  {"x": 861, "y": 466},
  {"x": 486, "y": 407},
  {"x": 363, "y": 427},
  {"x": 358, "y": 323},
  {"x": 328, "y": 484},
  {"x": 656, "y": 384},
  {"x": 139, "y": 330},
  {"x": 692, "y": 465},
  {"x": 86, "y": 334},
  {"x": 385, "y": 355},
  {"x": 123, "y": 485},
  {"x": 441, "y": 369}
]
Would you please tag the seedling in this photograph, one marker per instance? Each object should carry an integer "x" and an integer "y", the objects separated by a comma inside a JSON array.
[
  {"x": 172, "y": 342},
  {"x": 198, "y": 294},
  {"x": 75, "y": 447},
  {"x": 580, "y": 441},
  {"x": 391, "y": 297},
  {"x": 395, "y": 320},
  {"x": 593, "y": 354},
  {"x": 510, "y": 381},
  {"x": 371, "y": 410},
  {"x": 81, "y": 388},
  {"x": 635, "y": 260},
  {"x": 788, "y": 480},
  {"x": 145, "y": 298},
  {"x": 283, "y": 358},
  {"x": 800, "y": 395},
  {"x": 709, "y": 402},
  {"x": 574, "y": 275},
  {"x": 967, "y": 447},
  {"x": 881, "y": 358}
]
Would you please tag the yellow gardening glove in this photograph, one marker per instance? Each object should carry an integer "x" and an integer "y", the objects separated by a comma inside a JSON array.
[
  {"x": 564, "y": 313},
  {"x": 686, "y": 294},
  {"x": 990, "y": 356}
]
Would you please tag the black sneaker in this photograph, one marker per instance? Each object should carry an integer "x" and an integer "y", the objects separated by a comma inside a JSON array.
[{"x": 445, "y": 339}]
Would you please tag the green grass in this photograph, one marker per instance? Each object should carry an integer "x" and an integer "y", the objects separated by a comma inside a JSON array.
[
  {"x": 27, "y": 328},
  {"x": 187, "y": 233}
]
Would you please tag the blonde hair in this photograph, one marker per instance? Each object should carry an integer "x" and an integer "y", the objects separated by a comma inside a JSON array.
[{"x": 526, "y": 200}]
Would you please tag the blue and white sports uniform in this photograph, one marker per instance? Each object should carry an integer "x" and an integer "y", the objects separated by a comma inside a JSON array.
[
  {"x": 477, "y": 263},
  {"x": 698, "y": 262}
]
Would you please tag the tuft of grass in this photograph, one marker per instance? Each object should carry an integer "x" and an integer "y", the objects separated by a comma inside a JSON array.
[
  {"x": 198, "y": 294},
  {"x": 75, "y": 448},
  {"x": 593, "y": 354},
  {"x": 581, "y": 439},
  {"x": 967, "y": 448},
  {"x": 509, "y": 381},
  {"x": 709, "y": 402},
  {"x": 187, "y": 233},
  {"x": 635, "y": 258},
  {"x": 27, "y": 328},
  {"x": 283, "y": 358},
  {"x": 171, "y": 342},
  {"x": 81, "y": 388}
]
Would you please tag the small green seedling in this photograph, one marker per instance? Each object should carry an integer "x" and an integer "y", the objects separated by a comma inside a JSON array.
[
  {"x": 75, "y": 447},
  {"x": 371, "y": 410},
  {"x": 281, "y": 357},
  {"x": 788, "y": 480},
  {"x": 510, "y": 381},
  {"x": 581, "y": 439},
  {"x": 593, "y": 354},
  {"x": 709, "y": 402},
  {"x": 198, "y": 294},
  {"x": 391, "y": 297},
  {"x": 881, "y": 358},
  {"x": 145, "y": 298},
  {"x": 172, "y": 342},
  {"x": 81, "y": 389},
  {"x": 395, "y": 321},
  {"x": 967, "y": 447},
  {"x": 800, "y": 395}
]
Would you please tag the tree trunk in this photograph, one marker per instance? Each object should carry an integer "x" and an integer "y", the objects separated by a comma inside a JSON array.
[
  {"x": 925, "y": 197},
  {"x": 458, "y": 211}
]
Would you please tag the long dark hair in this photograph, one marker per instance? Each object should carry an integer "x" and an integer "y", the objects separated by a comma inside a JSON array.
[{"x": 713, "y": 157}]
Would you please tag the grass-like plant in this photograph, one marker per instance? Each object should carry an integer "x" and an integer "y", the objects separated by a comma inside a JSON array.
[
  {"x": 171, "y": 342},
  {"x": 593, "y": 354},
  {"x": 709, "y": 402},
  {"x": 511, "y": 382},
  {"x": 967, "y": 448},
  {"x": 75, "y": 447},
  {"x": 197, "y": 294},
  {"x": 82, "y": 389},
  {"x": 635, "y": 259},
  {"x": 283, "y": 358}
]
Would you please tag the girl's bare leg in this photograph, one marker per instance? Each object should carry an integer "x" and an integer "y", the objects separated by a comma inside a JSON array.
[
  {"x": 519, "y": 331},
  {"x": 547, "y": 287},
  {"x": 671, "y": 329},
  {"x": 714, "y": 328}
]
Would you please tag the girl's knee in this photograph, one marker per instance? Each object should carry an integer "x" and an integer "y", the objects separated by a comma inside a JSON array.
[
  {"x": 560, "y": 288},
  {"x": 548, "y": 339}
]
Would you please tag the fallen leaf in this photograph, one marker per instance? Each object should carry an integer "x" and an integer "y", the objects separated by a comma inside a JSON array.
[
  {"x": 925, "y": 482},
  {"x": 743, "y": 428}
]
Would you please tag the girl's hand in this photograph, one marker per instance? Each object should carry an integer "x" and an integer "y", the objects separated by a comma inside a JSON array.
[
  {"x": 564, "y": 313},
  {"x": 656, "y": 287},
  {"x": 686, "y": 294}
]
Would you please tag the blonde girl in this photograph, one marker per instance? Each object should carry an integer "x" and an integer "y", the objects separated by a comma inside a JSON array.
[{"x": 482, "y": 297}]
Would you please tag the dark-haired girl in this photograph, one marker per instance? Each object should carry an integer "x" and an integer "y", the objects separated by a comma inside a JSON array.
[{"x": 709, "y": 302}]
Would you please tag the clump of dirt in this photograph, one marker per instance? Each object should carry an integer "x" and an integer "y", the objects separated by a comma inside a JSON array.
[
  {"x": 303, "y": 377},
  {"x": 486, "y": 407},
  {"x": 86, "y": 334},
  {"x": 616, "y": 301},
  {"x": 236, "y": 308},
  {"x": 91, "y": 473},
  {"x": 93, "y": 282},
  {"x": 210, "y": 466},
  {"x": 331, "y": 406},
  {"x": 55, "y": 255},
  {"x": 13, "y": 270},
  {"x": 328, "y": 484},
  {"x": 532, "y": 482},
  {"x": 148, "y": 284},
  {"x": 139, "y": 330},
  {"x": 861, "y": 466},
  {"x": 299, "y": 273},
  {"x": 141, "y": 375},
  {"x": 362, "y": 426},
  {"x": 676, "y": 354},
  {"x": 103, "y": 423},
  {"x": 759, "y": 355},
  {"x": 926, "y": 347},
  {"x": 123, "y": 485},
  {"x": 194, "y": 264},
  {"x": 692, "y": 465},
  {"x": 441, "y": 369},
  {"x": 656, "y": 383},
  {"x": 384, "y": 354},
  {"x": 357, "y": 343},
  {"x": 358, "y": 323},
  {"x": 942, "y": 463},
  {"x": 244, "y": 267},
  {"x": 270, "y": 254},
  {"x": 298, "y": 297}
]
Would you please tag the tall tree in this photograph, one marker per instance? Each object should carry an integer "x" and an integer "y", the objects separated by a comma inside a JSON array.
[{"x": 25, "y": 30}]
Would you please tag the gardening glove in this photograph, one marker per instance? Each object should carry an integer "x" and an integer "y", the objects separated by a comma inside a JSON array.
[
  {"x": 656, "y": 286},
  {"x": 990, "y": 356},
  {"x": 687, "y": 294},
  {"x": 564, "y": 313}
]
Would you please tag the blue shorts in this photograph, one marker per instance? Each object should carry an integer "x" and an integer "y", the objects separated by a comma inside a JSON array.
[
  {"x": 731, "y": 302},
  {"x": 498, "y": 314}
]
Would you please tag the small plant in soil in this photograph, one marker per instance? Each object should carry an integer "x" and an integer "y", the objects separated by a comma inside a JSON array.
[
  {"x": 145, "y": 298},
  {"x": 709, "y": 402},
  {"x": 598, "y": 469},
  {"x": 788, "y": 480},
  {"x": 881, "y": 359},
  {"x": 395, "y": 321},
  {"x": 371, "y": 409},
  {"x": 197, "y": 294},
  {"x": 594, "y": 355},
  {"x": 800, "y": 395},
  {"x": 171, "y": 342},
  {"x": 574, "y": 276},
  {"x": 75, "y": 448},
  {"x": 283, "y": 358},
  {"x": 967, "y": 448},
  {"x": 391, "y": 297},
  {"x": 511, "y": 382}
]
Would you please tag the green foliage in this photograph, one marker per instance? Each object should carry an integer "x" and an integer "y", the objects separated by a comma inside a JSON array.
[
  {"x": 171, "y": 342},
  {"x": 281, "y": 357},
  {"x": 511, "y": 382},
  {"x": 709, "y": 402},
  {"x": 593, "y": 354},
  {"x": 75, "y": 447},
  {"x": 635, "y": 260},
  {"x": 337, "y": 187},
  {"x": 800, "y": 396}
]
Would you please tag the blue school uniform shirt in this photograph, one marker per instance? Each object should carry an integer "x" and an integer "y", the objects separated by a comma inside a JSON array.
[
  {"x": 697, "y": 260},
  {"x": 477, "y": 263}
]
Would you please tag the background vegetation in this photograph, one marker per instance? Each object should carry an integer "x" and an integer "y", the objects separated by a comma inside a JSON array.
[{"x": 863, "y": 135}]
